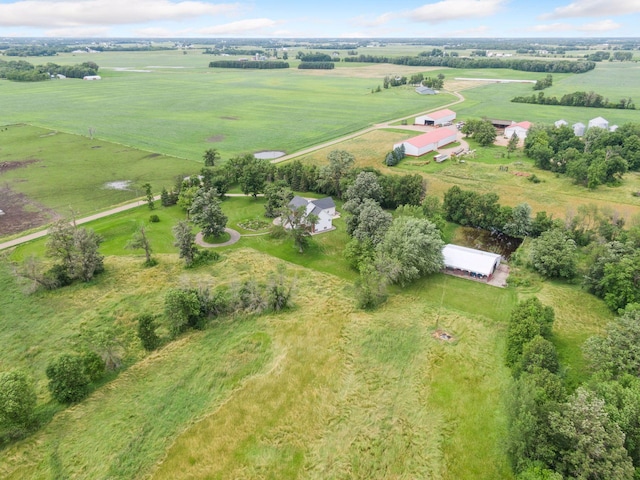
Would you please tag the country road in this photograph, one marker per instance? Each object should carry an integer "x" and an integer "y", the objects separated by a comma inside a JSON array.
[{"x": 33, "y": 236}]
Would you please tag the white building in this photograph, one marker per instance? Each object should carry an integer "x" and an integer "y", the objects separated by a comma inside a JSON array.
[
  {"x": 475, "y": 263},
  {"x": 561, "y": 123},
  {"x": 579, "y": 129},
  {"x": 599, "y": 122},
  {"x": 323, "y": 208},
  {"x": 92, "y": 77},
  {"x": 438, "y": 118},
  {"x": 521, "y": 129},
  {"x": 428, "y": 142}
]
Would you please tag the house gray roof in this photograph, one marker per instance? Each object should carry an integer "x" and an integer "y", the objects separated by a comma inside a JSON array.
[
  {"x": 324, "y": 203},
  {"x": 297, "y": 202},
  {"x": 425, "y": 91}
]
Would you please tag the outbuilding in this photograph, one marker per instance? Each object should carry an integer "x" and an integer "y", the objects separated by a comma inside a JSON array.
[
  {"x": 472, "y": 262},
  {"x": 521, "y": 129},
  {"x": 561, "y": 123},
  {"x": 438, "y": 118},
  {"x": 579, "y": 129},
  {"x": 92, "y": 77},
  {"x": 599, "y": 122},
  {"x": 425, "y": 91},
  {"x": 428, "y": 142}
]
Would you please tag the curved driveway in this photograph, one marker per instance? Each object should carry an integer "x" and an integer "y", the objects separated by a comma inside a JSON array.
[{"x": 233, "y": 238}]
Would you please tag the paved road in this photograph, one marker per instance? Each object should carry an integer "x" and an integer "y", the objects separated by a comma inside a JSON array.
[{"x": 129, "y": 206}]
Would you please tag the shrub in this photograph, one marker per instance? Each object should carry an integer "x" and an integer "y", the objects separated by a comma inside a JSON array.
[
  {"x": 17, "y": 401},
  {"x": 57, "y": 276},
  {"x": 154, "y": 218},
  {"x": 147, "y": 332},
  {"x": 94, "y": 365},
  {"x": 68, "y": 381}
]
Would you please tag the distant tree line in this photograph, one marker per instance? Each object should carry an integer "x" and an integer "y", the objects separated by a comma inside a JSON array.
[
  {"x": 316, "y": 65},
  {"x": 526, "y": 65},
  {"x": 233, "y": 51},
  {"x": 31, "y": 51},
  {"x": 266, "y": 65},
  {"x": 314, "y": 57},
  {"x": 23, "y": 71},
  {"x": 577, "y": 99}
]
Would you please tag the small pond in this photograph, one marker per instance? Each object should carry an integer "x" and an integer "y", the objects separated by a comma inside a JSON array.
[{"x": 269, "y": 154}]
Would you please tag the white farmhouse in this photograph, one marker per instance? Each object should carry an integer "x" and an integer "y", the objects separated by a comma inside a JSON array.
[
  {"x": 428, "y": 142},
  {"x": 438, "y": 118},
  {"x": 521, "y": 129},
  {"x": 323, "y": 208}
]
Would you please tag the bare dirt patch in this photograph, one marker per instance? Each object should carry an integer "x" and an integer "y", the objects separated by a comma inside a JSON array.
[
  {"x": 215, "y": 138},
  {"x": 21, "y": 213},
  {"x": 6, "y": 166}
]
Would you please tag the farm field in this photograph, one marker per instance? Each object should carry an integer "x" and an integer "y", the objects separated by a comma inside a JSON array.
[{"x": 184, "y": 111}]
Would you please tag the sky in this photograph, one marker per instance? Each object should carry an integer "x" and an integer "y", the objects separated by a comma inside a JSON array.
[{"x": 319, "y": 19}]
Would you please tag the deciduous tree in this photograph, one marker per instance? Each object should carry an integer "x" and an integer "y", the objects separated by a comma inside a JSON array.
[
  {"x": 206, "y": 212},
  {"x": 17, "y": 400},
  {"x": 411, "y": 248}
]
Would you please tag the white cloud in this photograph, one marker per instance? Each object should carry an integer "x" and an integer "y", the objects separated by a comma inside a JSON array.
[
  {"x": 553, "y": 27},
  {"x": 479, "y": 31},
  {"x": 254, "y": 25},
  {"x": 87, "y": 32},
  {"x": 446, "y": 10},
  {"x": 68, "y": 13},
  {"x": 595, "y": 8},
  {"x": 375, "y": 22},
  {"x": 602, "y": 26}
]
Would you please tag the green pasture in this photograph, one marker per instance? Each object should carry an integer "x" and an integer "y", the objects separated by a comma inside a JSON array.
[{"x": 64, "y": 173}]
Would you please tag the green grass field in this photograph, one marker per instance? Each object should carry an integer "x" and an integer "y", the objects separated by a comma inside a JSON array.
[{"x": 320, "y": 391}]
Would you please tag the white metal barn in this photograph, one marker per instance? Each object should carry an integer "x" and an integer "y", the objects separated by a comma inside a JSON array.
[
  {"x": 475, "y": 263},
  {"x": 436, "y": 118},
  {"x": 599, "y": 122},
  {"x": 521, "y": 129},
  {"x": 428, "y": 142},
  {"x": 579, "y": 129},
  {"x": 561, "y": 123}
]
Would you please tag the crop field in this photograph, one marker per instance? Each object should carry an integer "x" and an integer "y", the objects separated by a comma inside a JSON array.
[{"x": 184, "y": 111}]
